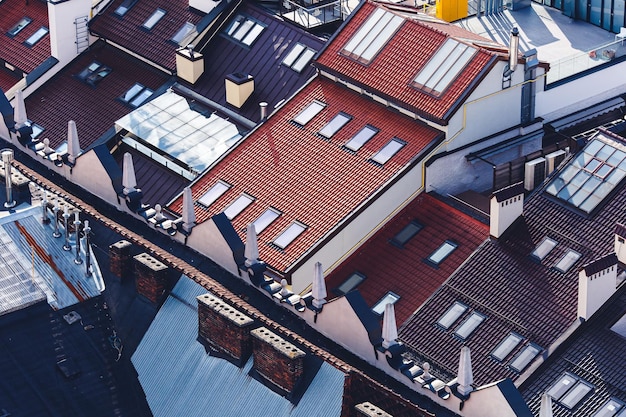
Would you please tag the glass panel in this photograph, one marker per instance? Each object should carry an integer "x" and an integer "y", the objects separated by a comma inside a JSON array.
[
  {"x": 618, "y": 15},
  {"x": 36, "y": 37},
  {"x": 309, "y": 112},
  {"x": 388, "y": 151},
  {"x": 37, "y": 130},
  {"x": 25, "y": 21},
  {"x": 506, "y": 346},
  {"x": 154, "y": 19},
  {"x": 381, "y": 39},
  {"x": 289, "y": 235},
  {"x": 567, "y": 261},
  {"x": 304, "y": 60},
  {"x": 576, "y": 394},
  {"x": 560, "y": 387},
  {"x": 435, "y": 62},
  {"x": 265, "y": 219},
  {"x": 442, "y": 252},
  {"x": 389, "y": 298},
  {"x": 295, "y": 52},
  {"x": 238, "y": 206},
  {"x": 609, "y": 409},
  {"x": 450, "y": 60},
  {"x": 334, "y": 125},
  {"x": 125, "y": 7},
  {"x": 469, "y": 325},
  {"x": 452, "y": 315},
  {"x": 253, "y": 34},
  {"x": 543, "y": 249},
  {"x": 525, "y": 357},
  {"x": 183, "y": 32},
  {"x": 243, "y": 29},
  {"x": 372, "y": 35},
  {"x": 141, "y": 97},
  {"x": 363, "y": 31},
  {"x": 455, "y": 69},
  {"x": 361, "y": 138},
  {"x": 213, "y": 193},
  {"x": 406, "y": 234},
  {"x": 132, "y": 92},
  {"x": 351, "y": 283}
]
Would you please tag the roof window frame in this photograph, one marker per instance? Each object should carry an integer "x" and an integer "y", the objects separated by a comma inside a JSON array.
[
  {"x": 543, "y": 249},
  {"x": 334, "y": 125},
  {"x": 37, "y": 36},
  {"x": 266, "y": 223},
  {"x": 182, "y": 33},
  {"x": 124, "y": 8},
  {"x": 94, "y": 73},
  {"x": 132, "y": 100},
  {"x": 153, "y": 19},
  {"x": 19, "y": 26},
  {"x": 603, "y": 411},
  {"x": 289, "y": 235},
  {"x": 443, "y": 252},
  {"x": 379, "y": 307},
  {"x": 298, "y": 57},
  {"x": 452, "y": 315},
  {"x": 214, "y": 193},
  {"x": 360, "y": 138},
  {"x": 501, "y": 356},
  {"x": 349, "y": 284},
  {"x": 524, "y": 362},
  {"x": 406, "y": 233},
  {"x": 238, "y": 205},
  {"x": 567, "y": 261},
  {"x": 387, "y": 152},
  {"x": 308, "y": 113},
  {"x": 469, "y": 325},
  {"x": 238, "y": 24}
]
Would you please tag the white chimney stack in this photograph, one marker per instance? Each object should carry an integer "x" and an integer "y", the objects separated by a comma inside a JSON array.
[
  {"x": 129, "y": 181},
  {"x": 465, "y": 376},
  {"x": 390, "y": 328},
  {"x": 189, "y": 213},
  {"x": 19, "y": 114},
  {"x": 73, "y": 145},
  {"x": 319, "y": 287},
  {"x": 620, "y": 246},
  {"x": 506, "y": 206},
  {"x": 252, "y": 246},
  {"x": 597, "y": 282}
]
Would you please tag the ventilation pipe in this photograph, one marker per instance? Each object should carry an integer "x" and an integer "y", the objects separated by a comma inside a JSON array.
[
  {"x": 7, "y": 158},
  {"x": 87, "y": 231},
  {"x": 78, "y": 259},
  {"x": 263, "y": 108}
]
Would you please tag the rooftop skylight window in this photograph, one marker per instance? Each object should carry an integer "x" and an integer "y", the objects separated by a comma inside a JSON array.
[
  {"x": 238, "y": 206},
  {"x": 592, "y": 175},
  {"x": 182, "y": 33},
  {"x": 123, "y": 8},
  {"x": 611, "y": 407},
  {"x": 361, "y": 138},
  {"x": 543, "y": 249},
  {"x": 372, "y": 36},
  {"x": 309, "y": 112},
  {"x": 403, "y": 236},
  {"x": 444, "y": 67},
  {"x": 94, "y": 73},
  {"x": 36, "y": 37},
  {"x": 389, "y": 298},
  {"x": 524, "y": 357},
  {"x": 506, "y": 346},
  {"x": 289, "y": 235},
  {"x": 244, "y": 30},
  {"x": 388, "y": 151},
  {"x": 567, "y": 261},
  {"x": 452, "y": 315},
  {"x": 153, "y": 19},
  {"x": 265, "y": 219},
  {"x": 213, "y": 193},
  {"x": 569, "y": 390},
  {"x": 136, "y": 95},
  {"x": 438, "y": 256},
  {"x": 299, "y": 56},
  {"x": 470, "y": 324},
  {"x": 17, "y": 28},
  {"x": 334, "y": 125},
  {"x": 350, "y": 283}
]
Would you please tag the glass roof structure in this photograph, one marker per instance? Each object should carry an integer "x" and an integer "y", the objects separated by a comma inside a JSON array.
[
  {"x": 167, "y": 127},
  {"x": 373, "y": 34},
  {"x": 591, "y": 175}
]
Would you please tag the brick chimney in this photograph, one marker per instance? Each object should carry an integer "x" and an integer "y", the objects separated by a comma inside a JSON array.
[
  {"x": 597, "y": 282},
  {"x": 120, "y": 259},
  {"x": 620, "y": 245},
  {"x": 150, "y": 277},
  {"x": 506, "y": 206},
  {"x": 368, "y": 409},
  {"x": 223, "y": 327},
  {"x": 276, "y": 359}
]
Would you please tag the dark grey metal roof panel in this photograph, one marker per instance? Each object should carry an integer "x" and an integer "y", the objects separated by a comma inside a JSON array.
[{"x": 509, "y": 192}]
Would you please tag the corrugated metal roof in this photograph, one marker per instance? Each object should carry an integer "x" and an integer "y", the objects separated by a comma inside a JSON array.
[{"x": 207, "y": 385}]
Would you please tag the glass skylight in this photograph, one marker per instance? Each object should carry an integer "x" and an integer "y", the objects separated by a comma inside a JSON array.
[
  {"x": 299, "y": 56},
  {"x": 289, "y": 235},
  {"x": 609, "y": 408},
  {"x": 350, "y": 283},
  {"x": 265, "y": 219},
  {"x": 576, "y": 394},
  {"x": 560, "y": 387},
  {"x": 17, "y": 28},
  {"x": 136, "y": 95},
  {"x": 524, "y": 357},
  {"x": 592, "y": 175},
  {"x": 442, "y": 252},
  {"x": 94, "y": 73},
  {"x": 506, "y": 346},
  {"x": 309, "y": 112},
  {"x": 544, "y": 248},
  {"x": 187, "y": 28},
  {"x": 334, "y": 125},
  {"x": 213, "y": 193},
  {"x": 406, "y": 234},
  {"x": 372, "y": 36},
  {"x": 444, "y": 66},
  {"x": 244, "y": 30},
  {"x": 361, "y": 138},
  {"x": 389, "y": 298},
  {"x": 469, "y": 325},
  {"x": 238, "y": 206},
  {"x": 452, "y": 315},
  {"x": 37, "y": 36},
  {"x": 154, "y": 19},
  {"x": 388, "y": 151},
  {"x": 567, "y": 261},
  {"x": 123, "y": 8}
]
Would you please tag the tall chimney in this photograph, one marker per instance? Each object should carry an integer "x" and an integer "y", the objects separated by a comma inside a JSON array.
[
  {"x": 367, "y": 409},
  {"x": 7, "y": 158},
  {"x": 390, "y": 328},
  {"x": 465, "y": 376},
  {"x": 597, "y": 282},
  {"x": 513, "y": 49},
  {"x": 319, "y": 287},
  {"x": 506, "y": 206}
]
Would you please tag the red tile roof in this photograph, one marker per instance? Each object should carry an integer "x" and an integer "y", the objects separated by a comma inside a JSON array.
[
  {"x": 396, "y": 65},
  {"x": 65, "y": 97},
  {"x": 403, "y": 270},
  {"x": 155, "y": 44},
  {"x": 309, "y": 179},
  {"x": 7, "y": 80},
  {"x": 12, "y": 50}
]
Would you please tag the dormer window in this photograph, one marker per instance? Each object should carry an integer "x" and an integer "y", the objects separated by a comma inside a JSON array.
[
  {"x": 153, "y": 19},
  {"x": 94, "y": 73},
  {"x": 17, "y": 28},
  {"x": 36, "y": 37}
]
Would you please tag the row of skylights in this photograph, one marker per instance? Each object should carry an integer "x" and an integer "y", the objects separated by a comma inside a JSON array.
[
  {"x": 372, "y": 36},
  {"x": 94, "y": 73},
  {"x": 591, "y": 176},
  {"x": 299, "y": 56},
  {"x": 544, "y": 248},
  {"x": 444, "y": 66},
  {"x": 569, "y": 390},
  {"x": 19, "y": 26},
  {"x": 136, "y": 95},
  {"x": 244, "y": 30},
  {"x": 467, "y": 327},
  {"x": 154, "y": 18},
  {"x": 523, "y": 358}
]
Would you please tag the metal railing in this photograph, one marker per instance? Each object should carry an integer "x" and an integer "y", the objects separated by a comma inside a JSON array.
[
  {"x": 583, "y": 61},
  {"x": 312, "y": 14}
]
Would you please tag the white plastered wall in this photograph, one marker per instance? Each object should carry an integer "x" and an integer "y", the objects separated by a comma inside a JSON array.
[
  {"x": 61, "y": 16},
  {"x": 208, "y": 240}
]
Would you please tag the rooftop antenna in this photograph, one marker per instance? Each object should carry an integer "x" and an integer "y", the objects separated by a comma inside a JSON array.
[{"x": 7, "y": 158}]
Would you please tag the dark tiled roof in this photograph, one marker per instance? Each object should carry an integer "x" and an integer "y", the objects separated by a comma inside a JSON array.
[
  {"x": 7, "y": 80},
  {"x": 13, "y": 50},
  {"x": 600, "y": 264},
  {"x": 403, "y": 270},
  {"x": 65, "y": 97},
  {"x": 515, "y": 293},
  {"x": 509, "y": 192},
  {"x": 154, "y": 45},
  {"x": 620, "y": 230},
  {"x": 273, "y": 82},
  {"x": 307, "y": 178},
  {"x": 399, "y": 61},
  {"x": 596, "y": 354}
]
